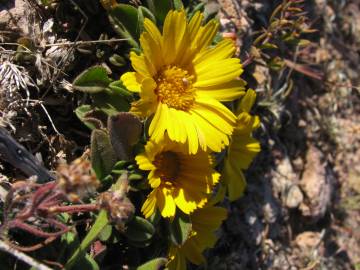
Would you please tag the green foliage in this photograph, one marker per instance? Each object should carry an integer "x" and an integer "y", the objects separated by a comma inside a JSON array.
[
  {"x": 100, "y": 222},
  {"x": 91, "y": 117},
  {"x": 125, "y": 130},
  {"x": 125, "y": 21},
  {"x": 160, "y": 8},
  {"x": 105, "y": 233},
  {"x": 139, "y": 231},
  {"x": 178, "y": 4},
  {"x": 117, "y": 60},
  {"x": 180, "y": 228},
  {"x": 92, "y": 80},
  {"x": 110, "y": 102},
  {"x": 155, "y": 264},
  {"x": 287, "y": 25},
  {"x": 103, "y": 156}
]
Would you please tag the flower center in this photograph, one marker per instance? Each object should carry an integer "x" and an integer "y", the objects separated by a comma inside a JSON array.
[
  {"x": 174, "y": 88},
  {"x": 168, "y": 165}
]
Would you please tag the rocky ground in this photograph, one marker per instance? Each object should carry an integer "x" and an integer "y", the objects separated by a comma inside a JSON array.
[{"x": 301, "y": 207}]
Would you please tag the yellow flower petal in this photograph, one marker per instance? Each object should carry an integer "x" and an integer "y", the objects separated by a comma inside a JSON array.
[
  {"x": 193, "y": 253},
  {"x": 194, "y": 24},
  {"x": 217, "y": 72},
  {"x": 223, "y": 92},
  {"x": 173, "y": 45},
  {"x": 224, "y": 49},
  {"x": 243, "y": 148},
  {"x": 152, "y": 51},
  {"x": 205, "y": 221},
  {"x": 144, "y": 163},
  {"x": 166, "y": 202},
  {"x": 186, "y": 204},
  {"x": 216, "y": 114},
  {"x": 247, "y": 101},
  {"x": 159, "y": 123},
  {"x": 138, "y": 62},
  {"x": 236, "y": 181},
  {"x": 205, "y": 35},
  {"x": 179, "y": 180},
  {"x": 149, "y": 205},
  {"x": 189, "y": 78},
  {"x": 132, "y": 81}
]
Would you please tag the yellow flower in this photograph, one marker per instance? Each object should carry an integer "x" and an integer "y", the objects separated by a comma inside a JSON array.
[
  {"x": 181, "y": 80},
  {"x": 204, "y": 221},
  {"x": 178, "y": 179},
  {"x": 243, "y": 148}
]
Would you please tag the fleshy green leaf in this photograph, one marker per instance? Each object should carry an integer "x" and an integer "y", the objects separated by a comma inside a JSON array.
[
  {"x": 105, "y": 233},
  {"x": 120, "y": 89},
  {"x": 139, "y": 230},
  {"x": 102, "y": 154},
  {"x": 92, "y": 80},
  {"x": 145, "y": 13},
  {"x": 120, "y": 165},
  {"x": 124, "y": 130},
  {"x": 135, "y": 177},
  {"x": 126, "y": 23},
  {"x": 155, "y": 264},
  {"x": 160, "y": 9},
  {"x": 81, "y": 112},
  {"x": 91, "y": 117},
  {"x": 117, "y": 60},
  {"x": 110, "y": 102},
  {"x": 100, "y": 222},
  {"x": 268, "y": 45},
  {"x": 180, "y": 228},
  {"x": 178, "y": 4}
]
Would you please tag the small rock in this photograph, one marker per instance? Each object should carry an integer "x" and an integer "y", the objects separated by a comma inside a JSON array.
[
  {"x": 294, "y": 197},
  {"x": 308, "y": 240},
  {"x": 13, "y": 16},
  {"x": 316, "y": 185}
]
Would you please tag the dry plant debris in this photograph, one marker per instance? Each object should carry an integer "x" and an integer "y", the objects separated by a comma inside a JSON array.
[{"x": 60, "y": 69}]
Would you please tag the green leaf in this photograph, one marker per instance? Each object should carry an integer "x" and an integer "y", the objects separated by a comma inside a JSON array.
[
  {"x": 145, "y": 13},
  {"x": 117, "y": 60},
  {"x": 105, "y": 233},
  {"x": 124, "y": 130},
  {"x": 304, "y": 42},
  {"x": 91, "y": 117},
  {"x": 178, "y": 4},
  {"x": 110, "y": 102},
  {"x": 160, "y": 9},
  {"x": 120, "y": 89},
  {"x": 135, "y": 177},
  {"x": 120, "y": 165},
  {"x": 92, "y": 80},
  {"x": 100, "y": 222},
  {"x": 268, "y": 45},
  {"x": 180, "y": 228},
  {"x": 276, "y": 63},
  {"x": 139, "y": 230},
  {"x": 154, "y": 264},
  {"x": 81, "y": 112},
  {"x": 126, "y": 23},
  {"x": 88, "y": 263},
  {"x": 102, "y": 154}
]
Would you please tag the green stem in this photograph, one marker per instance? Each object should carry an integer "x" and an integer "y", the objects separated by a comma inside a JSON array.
[{"x": 100, "y": 222}]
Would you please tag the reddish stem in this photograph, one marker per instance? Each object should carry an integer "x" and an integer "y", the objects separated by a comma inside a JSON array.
[
  {"x": 34, "y": 247},
  {"x": 73, "y": 208},
  {"x": 26, "y": 227}
]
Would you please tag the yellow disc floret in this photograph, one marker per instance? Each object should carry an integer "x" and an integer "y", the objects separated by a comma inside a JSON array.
[
  {"x": 168, "y": 165},
  {"x": 174, "y": 88}
]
